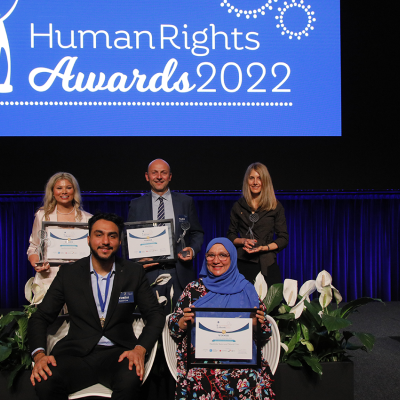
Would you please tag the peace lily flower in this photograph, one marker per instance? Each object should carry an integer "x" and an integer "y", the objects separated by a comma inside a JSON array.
[
  {"x": 290, "y": 291},
  {"x": 171, "y": 295},
  {"x": 161, "y": 279},
  {"x": 261, "y": 286},
  {"x": 290, "y": 295},
  {"x": 35, "y": 292},
  {"x": 325, "y": 287},
  {"x": 161, "y": 299}
]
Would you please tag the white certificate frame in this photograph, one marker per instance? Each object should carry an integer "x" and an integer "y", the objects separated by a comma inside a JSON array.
[
  {"x": 63, "y": 260},
  {"x": 171, "y": 258},
  {"x": 206, "y": 363}
]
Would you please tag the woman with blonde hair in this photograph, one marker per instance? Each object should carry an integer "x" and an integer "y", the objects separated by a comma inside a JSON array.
[
  {"x": 258, "y": 226},
  {"x": 62, "y": 202}
]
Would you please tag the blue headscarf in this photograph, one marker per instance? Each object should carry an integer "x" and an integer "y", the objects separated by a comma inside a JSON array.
[{"x": 230, "y": 290}]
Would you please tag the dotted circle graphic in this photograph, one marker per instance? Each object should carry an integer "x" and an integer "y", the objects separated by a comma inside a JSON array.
[
  {"x": 148, "y": 103},
  {"x": 286, "y": 30},
  {"x": 231, "y": 8}
]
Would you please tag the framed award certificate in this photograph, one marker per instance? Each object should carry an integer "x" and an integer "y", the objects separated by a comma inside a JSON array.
[
  {"x": 150, "y": 239},
  {"x": 63, "y": 242},
  {"x": 226, "y": 336}
]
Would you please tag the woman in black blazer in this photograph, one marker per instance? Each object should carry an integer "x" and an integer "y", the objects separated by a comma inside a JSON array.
[{"x": 269, "y": 230}]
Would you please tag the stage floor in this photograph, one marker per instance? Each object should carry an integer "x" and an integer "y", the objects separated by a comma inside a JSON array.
[{"x": 376, "y": 374}]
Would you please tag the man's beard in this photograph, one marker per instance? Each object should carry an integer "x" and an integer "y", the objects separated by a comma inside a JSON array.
[{"x": 96, "y": 255}]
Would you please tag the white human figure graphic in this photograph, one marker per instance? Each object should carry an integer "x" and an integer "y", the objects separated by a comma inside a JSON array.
[{"x": 6, "y": 87}]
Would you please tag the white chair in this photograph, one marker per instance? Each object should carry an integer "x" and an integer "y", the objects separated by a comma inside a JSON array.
[
  {"x": 271, "y": 351},
  {"x": 98, "y": 389},
  {"x": 170, "y": 348}
]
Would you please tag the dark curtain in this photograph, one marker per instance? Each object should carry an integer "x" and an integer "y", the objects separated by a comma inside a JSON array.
[{"x": 355, "y": 237}]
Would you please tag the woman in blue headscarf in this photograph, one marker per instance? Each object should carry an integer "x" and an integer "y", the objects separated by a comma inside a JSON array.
[{"x": 220, "y": 286}]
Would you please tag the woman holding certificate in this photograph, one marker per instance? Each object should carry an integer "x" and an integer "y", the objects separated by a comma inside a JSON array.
[
  {"x": 258, "y": 226},
  {"x": 220, "y": 286},
  {"x": 62, "y": 203}
]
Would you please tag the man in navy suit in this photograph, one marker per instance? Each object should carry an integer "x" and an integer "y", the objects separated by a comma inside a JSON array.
[
  {"x": 178, "y": 207},
  {"x": 101, "y": 292}
]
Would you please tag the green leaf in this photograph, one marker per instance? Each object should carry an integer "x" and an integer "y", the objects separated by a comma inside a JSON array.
[
  {"x": 23, "y": 329},
  {"x": 294, "y": 362},
  {"x": 13, "y": 373},
  {"x": 6, "y": 320},
  {"x": 366, "y": 339},
  {"x": 334, "y": 323},
  {"x": 313, "y": 310},
  {"x": 314, "y": 364},
  {"x": 284, "y": 316},
  {"x": 305, "y": 331},
  {"x": 308, "y": 344},
  {"x": 274, "y": 296},
  {"x": 354, "y": 304},
  {"x": 5, "y": 352}
]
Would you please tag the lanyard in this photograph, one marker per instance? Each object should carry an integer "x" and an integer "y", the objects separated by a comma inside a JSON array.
[{"x": 101, "y": 301}]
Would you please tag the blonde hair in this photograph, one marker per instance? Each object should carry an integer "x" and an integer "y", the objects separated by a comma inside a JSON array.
[
  {"x": 267, "y": 200},
  {"x": 49, "y": 202}
]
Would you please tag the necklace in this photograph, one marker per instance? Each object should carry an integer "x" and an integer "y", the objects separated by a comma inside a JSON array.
[{"x": 73, "y": 209}]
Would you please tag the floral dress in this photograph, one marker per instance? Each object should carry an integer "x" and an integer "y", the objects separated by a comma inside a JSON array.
[{"x": 210, "y": 383}]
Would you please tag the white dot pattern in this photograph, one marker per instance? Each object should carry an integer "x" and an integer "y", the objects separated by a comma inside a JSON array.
[
  {"x": 249, "y": 12},
  {"x": 285, "y": 30},
  {"x": 147, "y": 103}
]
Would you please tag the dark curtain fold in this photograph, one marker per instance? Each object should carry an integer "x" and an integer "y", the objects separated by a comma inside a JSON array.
[{"x": 355, "y": 237}]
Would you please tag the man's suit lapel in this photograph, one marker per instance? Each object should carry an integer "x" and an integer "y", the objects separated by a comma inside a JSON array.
[
  {"x": 87, "y": 289},
  {"x": 148, "y": 208},
  {"x": 116, "y": 291},
  {"x": 178, "y": 210}
]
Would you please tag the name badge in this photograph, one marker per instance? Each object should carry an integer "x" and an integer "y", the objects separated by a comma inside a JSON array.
[
  {"x": 126, "y": 297},
  {"x": 182, "y": 218}
]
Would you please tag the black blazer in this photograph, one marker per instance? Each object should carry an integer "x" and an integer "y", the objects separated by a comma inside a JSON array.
[
  {"x": 271, "y": 223},
  {"x": 140, "y": 209},
  {"x": 72, "y": 286}
]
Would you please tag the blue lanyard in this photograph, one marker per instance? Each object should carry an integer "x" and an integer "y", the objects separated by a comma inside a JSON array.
[{"x": 101, "y": 301}]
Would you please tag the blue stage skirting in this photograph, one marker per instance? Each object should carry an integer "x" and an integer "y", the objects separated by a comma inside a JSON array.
[{"x": 352, "y": 235}]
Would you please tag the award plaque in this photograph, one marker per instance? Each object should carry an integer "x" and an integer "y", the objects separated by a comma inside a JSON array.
[
  {"x": 149, "y": 239},
  {"x": 224, "y": 342},
  {"x": 63, "y": 242}
]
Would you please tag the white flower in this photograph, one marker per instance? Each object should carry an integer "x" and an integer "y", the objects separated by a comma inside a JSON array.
[
  {"x": 290, "y": 291},
  {"x": 171, "y": 293},
  {"x": 336, "y": 294},
  {"x": 325, "y": 297},
  {"x": 308, "y": 287},
  {"x": 161, "y": 279},
  {"x": 283, "y": 345},
  {"x": 35, "y": 292},
  {"x": 161, "y": 299},
  {"x": 297, "y": 310},
  {"x": 261, "y": 286},
  {"x": 324, "y": 279}
]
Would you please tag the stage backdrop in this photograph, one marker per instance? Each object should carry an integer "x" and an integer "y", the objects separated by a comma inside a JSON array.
[
  {"x": 354, "y": 236},
  {"x": 191, "y": 68}
]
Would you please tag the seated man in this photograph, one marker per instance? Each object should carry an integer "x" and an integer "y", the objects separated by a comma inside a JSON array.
[{"x": 101, "y": 292}]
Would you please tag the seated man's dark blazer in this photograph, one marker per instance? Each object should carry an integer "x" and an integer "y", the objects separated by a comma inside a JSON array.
[
  {"x": 140, "y": 209},
  {"x": 72, "y": 286}
]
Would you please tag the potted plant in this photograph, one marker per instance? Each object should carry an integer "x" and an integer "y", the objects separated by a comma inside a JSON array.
[
  {"x": 314, "y": 332},
  {"x": 14, "y": 350}
]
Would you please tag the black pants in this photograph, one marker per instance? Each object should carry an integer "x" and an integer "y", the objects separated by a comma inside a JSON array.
[
  {"x": 100, "y": 366},
  {"x": 250, "y": 271}
]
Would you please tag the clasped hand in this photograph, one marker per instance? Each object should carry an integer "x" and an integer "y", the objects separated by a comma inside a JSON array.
[
  {"x": 249, "y": 246},
  {"x": 41, "y": 369}
]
